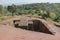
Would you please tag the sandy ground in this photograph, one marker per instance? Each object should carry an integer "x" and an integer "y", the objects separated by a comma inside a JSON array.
[{"x": 11, "y": 33}]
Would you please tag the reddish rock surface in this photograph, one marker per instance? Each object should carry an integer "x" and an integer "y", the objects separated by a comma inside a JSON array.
[{"x": 11, "y": 33}]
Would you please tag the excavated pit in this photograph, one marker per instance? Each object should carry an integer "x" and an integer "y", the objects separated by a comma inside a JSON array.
[{"x": 33, "y": 25}]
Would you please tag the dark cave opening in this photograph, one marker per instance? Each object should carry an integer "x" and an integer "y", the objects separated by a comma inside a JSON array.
[{"x": 36, "y": 26}]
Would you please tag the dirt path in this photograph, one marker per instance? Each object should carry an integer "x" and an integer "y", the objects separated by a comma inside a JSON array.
[{"x": 10, "y": 33}]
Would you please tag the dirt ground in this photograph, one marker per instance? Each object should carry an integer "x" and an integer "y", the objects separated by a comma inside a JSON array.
[
  {"x": 11, "y": 33},
  {"x": 7, "y": 32}
]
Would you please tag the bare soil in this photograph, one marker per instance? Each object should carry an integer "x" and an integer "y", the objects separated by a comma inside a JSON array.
[
  {"x": 11, "y": 33},
  {"x": 8, "y": 32}
]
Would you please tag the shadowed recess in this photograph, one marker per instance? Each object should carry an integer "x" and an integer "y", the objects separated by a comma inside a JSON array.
[{"x": 32, "y": 25}]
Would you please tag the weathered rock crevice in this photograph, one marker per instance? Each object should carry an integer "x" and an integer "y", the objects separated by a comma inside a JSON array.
[{"x": 32, "y": 25}]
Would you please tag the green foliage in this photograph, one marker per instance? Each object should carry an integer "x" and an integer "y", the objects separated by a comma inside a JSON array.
[
  {"x": 1, "y": 9},
  {"x": 45, "y": 10},
  {"x": 12, "y": 9},
  {"x": 53, "y": 16}
]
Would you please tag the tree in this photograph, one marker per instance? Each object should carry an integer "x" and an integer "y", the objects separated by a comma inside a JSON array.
[
  {"x": 53, "y": 16},
  {"x": 1, "y": 9},
  {"x": 12, "y": 9}
]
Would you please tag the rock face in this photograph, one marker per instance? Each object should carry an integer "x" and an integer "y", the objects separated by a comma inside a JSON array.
[{"x": 33, "y": 24}]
